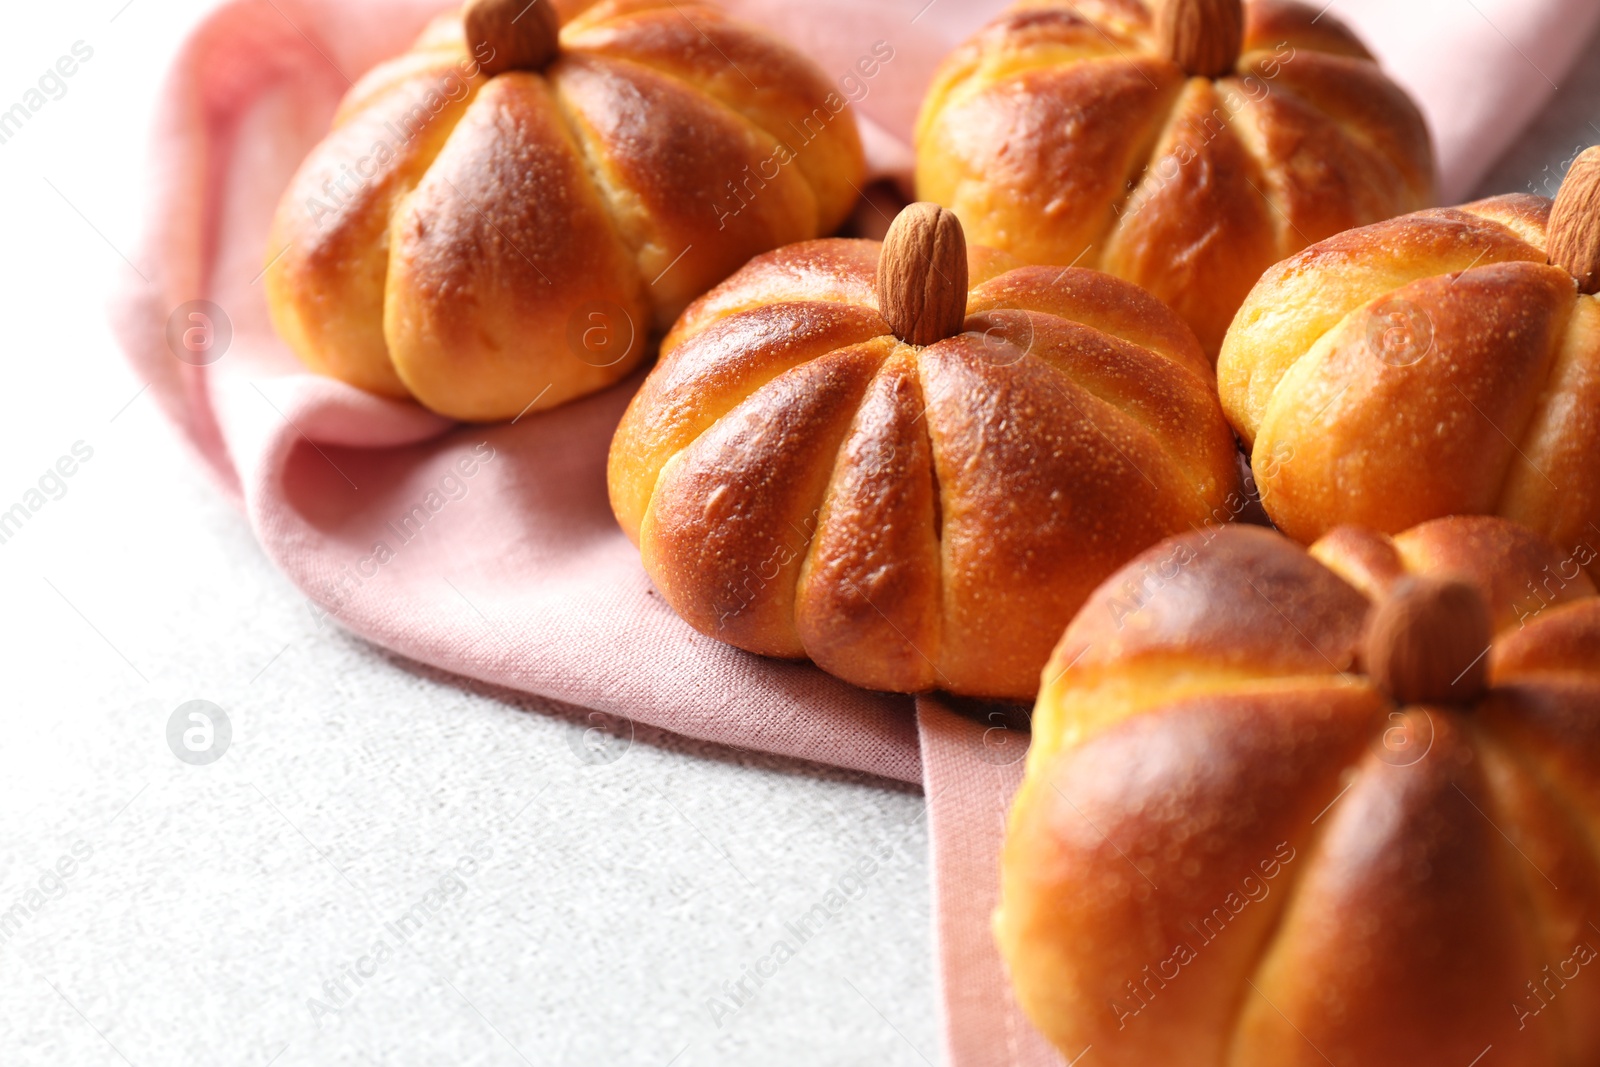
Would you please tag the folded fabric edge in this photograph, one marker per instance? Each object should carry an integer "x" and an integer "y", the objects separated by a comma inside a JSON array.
[
  {"x": 969, "y": 780},
  {"x": 1567, "y": 29}
]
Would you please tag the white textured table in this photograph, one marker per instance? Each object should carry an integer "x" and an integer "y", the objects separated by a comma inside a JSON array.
[{"x": 384, "y": 866}]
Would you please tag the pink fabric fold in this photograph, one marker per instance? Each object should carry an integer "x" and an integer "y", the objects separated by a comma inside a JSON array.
[
  {"x": 487, "y": 551},
  {"x": 1479, "y": 69},
  {"x": 491, "y": 551},
  {"x": 972, "y": 768}
]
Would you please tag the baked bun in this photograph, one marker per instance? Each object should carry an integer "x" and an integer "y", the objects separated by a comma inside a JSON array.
[
  {"x": 502, "y": 217},
  {"x": 1436, "y": 364},
  {"x": 1285, "y": 809},
  {"x": 1186, "y": 150},
  {"x": 910, "y": 462}
]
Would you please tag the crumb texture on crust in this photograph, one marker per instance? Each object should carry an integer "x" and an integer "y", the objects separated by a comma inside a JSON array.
[
  {"x": 1229, "y": 848},
  {"x": 802, "y": 483}
]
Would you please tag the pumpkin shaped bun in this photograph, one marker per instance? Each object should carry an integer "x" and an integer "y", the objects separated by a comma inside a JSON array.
[
  {"x": 1443, "y": 363},
  {"x": 501, "y": 218},
  {"x": 1288, "y": 808},
  {"x": 1186, "y": 148},
  {"x": 910, "y": 462}
]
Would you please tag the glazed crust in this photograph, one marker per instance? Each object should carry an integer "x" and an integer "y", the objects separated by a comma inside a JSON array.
[
  {"x": 801, "y": 483},
  {"x": 1060, "y": 134},
  {"x": 495, "y": 246},
  {"x": 1429, "y": 365},
  {"x": 1229, "y": 848}
]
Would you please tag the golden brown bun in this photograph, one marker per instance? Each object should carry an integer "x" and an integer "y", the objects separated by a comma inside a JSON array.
[
  {"x": 802, "y": 483},
  {"x": 1429, "y": 365},
  {"x": 1061, "y": 134},
  {"x": 495, "y": 245},
  {"x": 1231, "y": 849}
]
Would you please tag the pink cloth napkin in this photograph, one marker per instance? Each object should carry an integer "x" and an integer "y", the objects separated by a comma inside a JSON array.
[{"x": 500, "y": 559}]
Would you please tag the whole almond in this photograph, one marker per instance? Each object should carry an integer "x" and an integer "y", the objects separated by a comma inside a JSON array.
[
  {"x": 1575, "y": 222},
  {"x": 1427, "y": 642},
  {"x": 512, "y": 34},
  {"x": 922, "y": 275},
  {"x": 1204, "y": 37}
]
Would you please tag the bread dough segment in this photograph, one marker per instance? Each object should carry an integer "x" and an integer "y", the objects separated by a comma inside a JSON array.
[
  {"x": 1437, "y": 893},
  {"x": 326, "y": 288},
  {"x": 1408, "y": 939},
  {"x": 832, "y": 270},
  {"x": 1300, "y": 301},
  {"x": 506, "y": 208},
  {"x": 755, "y": 78},
  {"x": 666, "y": 180},
  {"x": 1146, "y": 869},
  {"x": 1196, "y": 231},
  {"x": 1029, "y": 172},
  {"x": 1390, "y": 436},
  {"x": 1018, "y": 444},
  {"x": 868, "y": 606},
  {"x": 1553, "y": 484},
  {"x": 700, "y": 381},
  {"x": 733, "y": 514},
  {"x": 1398, "y": 152}
]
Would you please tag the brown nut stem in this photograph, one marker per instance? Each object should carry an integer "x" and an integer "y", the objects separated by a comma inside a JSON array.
[
  {"x": 1204, "y": 37},
  {"x": 512, "y": 34},
  {"x": 922, "y": 275},
  {"x": 1427, "y": 642},
  {"x": 1575, "y": 222}
]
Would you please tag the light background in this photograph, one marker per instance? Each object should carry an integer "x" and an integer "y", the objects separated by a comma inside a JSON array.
[{"x": 617, "y": 897}]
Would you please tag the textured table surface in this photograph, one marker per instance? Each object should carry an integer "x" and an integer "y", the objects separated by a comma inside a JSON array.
[{"x": 384, "y": 866}]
